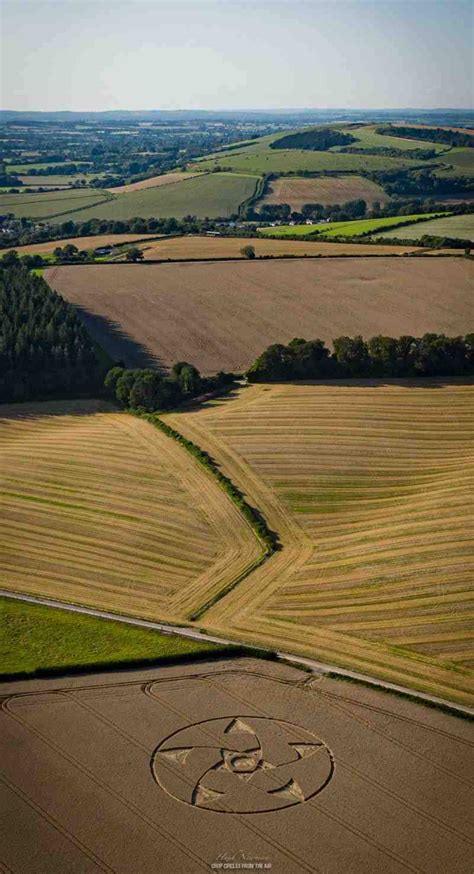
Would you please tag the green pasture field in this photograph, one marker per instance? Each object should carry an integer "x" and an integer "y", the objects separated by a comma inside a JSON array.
[
  {"x": 266, "y": 160},
  {"x": 213, "y": 196},
  {"x": 49, "y": 203},
  {"x": 461, "y": 163},
  {"x": 35, "y": 639},
  {"x": 260, "y": 158},
  {"x": 367, "y": 137},
  {"x": 461, "y": 226},
  {"x": 345, "y": 229}
]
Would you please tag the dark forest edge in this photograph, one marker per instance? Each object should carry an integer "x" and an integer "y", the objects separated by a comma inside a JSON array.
[{"x": 45, "y": 350}]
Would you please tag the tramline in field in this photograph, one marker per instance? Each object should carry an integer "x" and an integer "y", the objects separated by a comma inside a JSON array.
[{"x": 368, "y": 488}]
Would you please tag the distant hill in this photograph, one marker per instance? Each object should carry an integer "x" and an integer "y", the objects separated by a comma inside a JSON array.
[{"x": 457, "y": 117}]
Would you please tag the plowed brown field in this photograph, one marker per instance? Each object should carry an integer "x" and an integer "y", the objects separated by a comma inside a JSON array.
[
  {"x": 369, "y": 488},
  {"x": 297, "y": 191},
  {"x": 102, "y": 509},
  {"x": 221, "y": 316}
]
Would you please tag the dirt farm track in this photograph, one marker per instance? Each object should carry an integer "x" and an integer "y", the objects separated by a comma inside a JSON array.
[
  {"x": 226, "y": 761},
  {"x": 220, "y": 316}
]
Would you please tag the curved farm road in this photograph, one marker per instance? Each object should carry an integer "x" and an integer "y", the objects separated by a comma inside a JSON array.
[{"x": 194, "y": 634}]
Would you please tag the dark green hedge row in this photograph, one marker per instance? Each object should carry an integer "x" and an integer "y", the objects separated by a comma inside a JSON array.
[{"x": 253, "y": 517}]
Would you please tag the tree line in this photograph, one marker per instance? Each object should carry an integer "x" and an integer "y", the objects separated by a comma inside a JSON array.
[
  {"x": 421, "y": 182},
  {"x": 150, "y": 391},
  {"x": 391, "y": 152},
  {"x": 432, "y": 134},
  {"x": 45, "y": 351},
  {"x": 27, "y": 231},
  {"x": 406, "y": 356}
]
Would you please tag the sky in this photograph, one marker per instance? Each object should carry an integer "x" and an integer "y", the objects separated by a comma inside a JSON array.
[{"x": 90, "y": 55}]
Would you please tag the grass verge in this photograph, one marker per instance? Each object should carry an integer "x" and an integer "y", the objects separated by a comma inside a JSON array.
[{"x": 40, "y": 641}]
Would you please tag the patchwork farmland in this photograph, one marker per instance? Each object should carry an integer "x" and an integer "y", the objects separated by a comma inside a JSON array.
[
  {"x": 100, "y": 508},
  {"x": 50, "y": 204},
  {"x": 221, "y": 316},
  {"x": 297, "y": 191},
  {"x": 260, "y": 157},
  {"x": 214, "y": 196},
  {"x": 369, "y": 489},
  {"x": 205, "y": 195}
]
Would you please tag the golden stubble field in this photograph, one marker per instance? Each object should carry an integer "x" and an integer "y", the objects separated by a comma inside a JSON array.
[
  {"x": 221, "y": 316},
  {"x": 369, "y": 487},
  {"x": 189, "y": 246},
  {"x": 100, "y": 508}
]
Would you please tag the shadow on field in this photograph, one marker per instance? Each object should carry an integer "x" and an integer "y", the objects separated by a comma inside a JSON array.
[
  {"x": 119, "y": 345},
  {"x": 214, "y": 399},
  {"x": 220, "y": 652}
]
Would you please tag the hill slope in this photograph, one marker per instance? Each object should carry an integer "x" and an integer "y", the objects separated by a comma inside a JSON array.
[{"x": 368, "y": 487}]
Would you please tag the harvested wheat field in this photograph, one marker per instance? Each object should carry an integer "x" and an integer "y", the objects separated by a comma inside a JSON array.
[
  {"x": 153, "y": 182},
  {"x": 297, "y": 191},
  {"x": 180, "y": 248},
  {"x": 222, "y": 316},
  {"x": 209, "y": 764},
  {"x": 82, "y": 243},
  {"x": 101, "y": 508},
  {"x": 369, "y": 488}
]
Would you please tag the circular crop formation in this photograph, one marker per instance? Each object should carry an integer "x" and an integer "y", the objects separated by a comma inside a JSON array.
[{"x": 242, "y": 764}]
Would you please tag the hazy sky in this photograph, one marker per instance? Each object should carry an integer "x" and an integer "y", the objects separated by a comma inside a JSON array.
[{"x": 229, "y": 54}]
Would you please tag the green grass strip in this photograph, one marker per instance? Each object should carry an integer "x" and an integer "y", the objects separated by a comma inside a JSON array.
[{"x": 40, "y": 641}]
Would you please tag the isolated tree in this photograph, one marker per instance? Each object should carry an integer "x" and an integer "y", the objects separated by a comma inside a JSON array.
[{"x": 248, "y": 251}]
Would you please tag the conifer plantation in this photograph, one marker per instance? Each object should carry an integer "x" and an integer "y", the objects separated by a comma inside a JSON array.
[{"x": 45, "y": 352}]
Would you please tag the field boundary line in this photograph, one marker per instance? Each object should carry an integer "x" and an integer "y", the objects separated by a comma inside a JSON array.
[
  {"x": 174, "y": 182},
  {"x": 253, "y": 517},
  {"x": 188, "y": 631}
]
